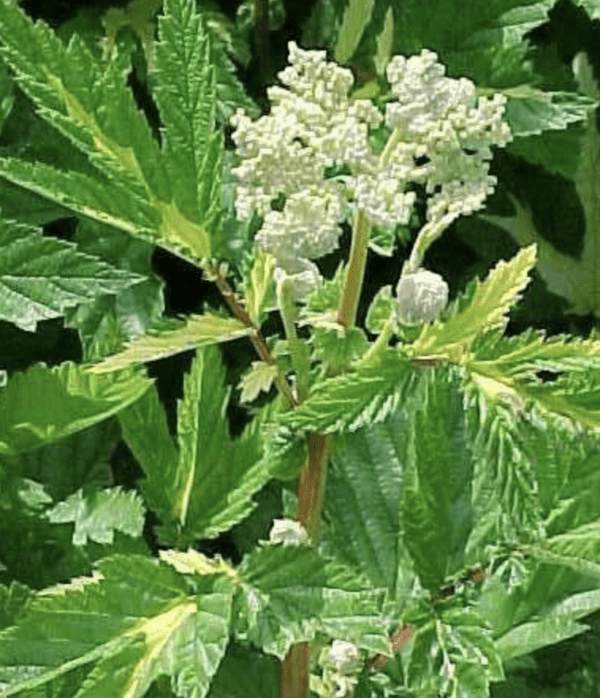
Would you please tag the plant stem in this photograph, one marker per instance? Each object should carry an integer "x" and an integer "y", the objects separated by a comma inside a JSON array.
[
  {"x": 295, "y": 669},
  {"x": 355, "y": 271},
  {"x": 298, "y": 351},
  {"x": 261, "y": 38},
  {"x": 256, "y": 338}
]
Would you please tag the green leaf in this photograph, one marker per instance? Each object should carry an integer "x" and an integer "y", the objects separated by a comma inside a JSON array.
[
  {"x": 41, "y": 276},
  {"x": 185, "y": 94},
  {"x": 199, "y": 330},
  {"x": 216, "y": 475},
  {"x": 145, "y": 430},
  {"x": 246, "y": 673},
  {"x": 352, "y": 400},
  {"x": 13, "y": 602},
  {"x": 531, "y": 112},
  {"x": 325, "y": 299},
  {"x": 97, "y": 514},
  {"x": 362, "y": 498},
  {"x": 452, "y": 653},
  {"x": 89, "y": 103},
  {"x": 380, "y": 310},
  {"x": 259, "y": 286},
  {"x": 490, "y": 303},
  {"x": 104, "y": 201},
  {"x": 577, "y": 548},
  {"x": 259, "y": 379},
  {"x": 436, "y": 509},
  {"x": 356, "y": 17},
  {"x": 134, "y": 621},
  {"x": 106, "y": 323},
  {"x": 206, "y": 486},
  {"x": 289, "y": 593},
  {"x": 44, "y": 404},
  {"x": 558, "y": 623},
  {"x": 339, "y": 347},
  {"x": 511, "y": 367}
]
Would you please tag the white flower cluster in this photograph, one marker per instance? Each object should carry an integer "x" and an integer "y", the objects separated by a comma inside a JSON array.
[
  {"x": 450, "y": 129},
  {"x": 440, "y": 136}
]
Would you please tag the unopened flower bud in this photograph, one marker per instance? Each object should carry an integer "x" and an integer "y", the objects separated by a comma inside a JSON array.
[{"x": 421, "y": 296}]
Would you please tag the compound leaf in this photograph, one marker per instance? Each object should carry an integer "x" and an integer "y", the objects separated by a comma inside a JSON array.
[{"x": 132, "y": 622}]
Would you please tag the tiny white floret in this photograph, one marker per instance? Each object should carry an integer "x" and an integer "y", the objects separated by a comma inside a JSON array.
[
  {"x": 345, "y": 657},
  {"x": 288, "y": 532}
]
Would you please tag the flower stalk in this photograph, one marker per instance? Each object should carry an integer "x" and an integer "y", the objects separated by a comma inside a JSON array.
[{"x": 295, "y": 669}]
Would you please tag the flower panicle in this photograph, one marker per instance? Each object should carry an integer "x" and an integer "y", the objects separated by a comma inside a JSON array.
[{"x": 440, "y": 136}]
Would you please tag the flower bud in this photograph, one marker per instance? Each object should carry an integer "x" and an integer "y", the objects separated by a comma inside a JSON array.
[
  {"x": 421, "y": 296},
  {"x": 288, "y": 532}
]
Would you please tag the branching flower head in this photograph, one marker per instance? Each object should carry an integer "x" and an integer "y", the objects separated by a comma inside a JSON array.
[{"x": 440, "y": 135}]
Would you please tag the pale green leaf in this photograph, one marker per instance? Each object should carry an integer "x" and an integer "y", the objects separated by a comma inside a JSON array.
[
  {"x": 384, "y": 42},
  {"x": 41, "y": 276},
  {"x": 289, "y": 593},
  {"x": 505, "y": 500},
  {"x": 43, "y": 404},
  {"x": 352, "y": 400},
  {"x": 199, "y": 330},
  {"x": 98, "y": 513},
  {"x": 259, "y": 379},
  {"x": 136, "y": 621},
  {"x": 380, "y": 310},
  {"x": 488, "y": 308},
  {"x": 356, "y": 17},
  {"x": 452, "y": 653},
  {"x": 259, "y": 287},
  {"x": 138, "y": 15}
]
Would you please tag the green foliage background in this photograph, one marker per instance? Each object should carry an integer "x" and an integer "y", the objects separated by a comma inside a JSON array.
[{"x": 78, "y": 498}]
